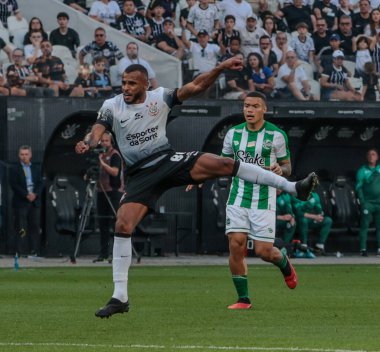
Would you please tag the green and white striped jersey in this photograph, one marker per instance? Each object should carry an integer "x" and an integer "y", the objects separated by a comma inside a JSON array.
[{"x": 263, "y": 148}]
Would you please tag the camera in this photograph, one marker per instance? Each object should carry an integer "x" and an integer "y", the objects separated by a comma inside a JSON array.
[{"x": 92, "y": 160}]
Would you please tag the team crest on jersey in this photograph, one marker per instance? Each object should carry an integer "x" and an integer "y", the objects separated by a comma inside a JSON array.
[
  {"x": 153, "y": 109},
  {"x": 267, "y": 144}
]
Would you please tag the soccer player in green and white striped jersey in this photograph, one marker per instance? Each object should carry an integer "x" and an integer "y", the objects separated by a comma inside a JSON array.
[{"x": 251, "y": 208}]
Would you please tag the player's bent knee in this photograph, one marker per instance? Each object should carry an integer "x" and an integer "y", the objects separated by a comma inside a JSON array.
[{"x": 124, "y": 227}]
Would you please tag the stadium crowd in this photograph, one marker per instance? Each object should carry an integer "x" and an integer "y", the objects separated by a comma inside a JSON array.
[{"x": 292, "y": 49}]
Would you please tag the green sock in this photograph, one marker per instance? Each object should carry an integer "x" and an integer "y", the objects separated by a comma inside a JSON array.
[
  {"x": 283, "y": 264},
  {"x": 241, "y": 285}
]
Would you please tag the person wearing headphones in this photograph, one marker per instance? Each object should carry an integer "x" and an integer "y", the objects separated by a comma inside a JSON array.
[{"x": 110, "y": 188}]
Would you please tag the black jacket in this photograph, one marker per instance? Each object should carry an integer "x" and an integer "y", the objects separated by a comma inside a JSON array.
[{"x": 18, "y": 184}]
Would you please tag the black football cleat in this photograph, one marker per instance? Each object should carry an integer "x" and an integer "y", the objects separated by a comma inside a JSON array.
[
  {"x": 113, "y": 306},
  {"x": 306, "y": 186}
]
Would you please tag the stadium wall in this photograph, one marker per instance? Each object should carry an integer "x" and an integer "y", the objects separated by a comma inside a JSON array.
[{"x": 332, "y": 141}]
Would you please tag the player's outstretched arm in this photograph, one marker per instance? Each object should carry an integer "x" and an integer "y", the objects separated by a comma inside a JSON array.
[
  {"x": 91, "y": 140},
  {"x": 205, "y": 80}
]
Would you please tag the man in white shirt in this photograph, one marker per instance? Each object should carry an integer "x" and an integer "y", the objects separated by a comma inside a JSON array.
[
  {"x": 281, "y": 47},
  {"x": 240, "y": 9},
  {"x": 133, "y": 58},
  {"x": 106, "y": 11},
  {"x": 250, "y": 36},
  {"x": 292, "y": 81},
  {"x": 203, "y": 16}
]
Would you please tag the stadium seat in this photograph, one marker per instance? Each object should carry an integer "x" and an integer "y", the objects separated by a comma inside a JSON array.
[
  {"x": 71, "y": 69},
  {"x": 308, "y": 69},
  {"x": 356, "y": 83},
  {"x": 4, "y": 35},
  {"x": 150, "y": 232},
  {"x": 350, "y": 66},
  {"x": 315, "y": 89},
  {"x": 114, "y": 76},
  {"x": 65, "y": 201},
  {"x": 62, "y": 52},
  {"x": 16, "y": 27},
  {"x": 345, "y": 208}
]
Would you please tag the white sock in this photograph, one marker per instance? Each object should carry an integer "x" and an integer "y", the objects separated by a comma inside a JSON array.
[
  {"x": 121, "y": 261},
  {"x": 256, "y": 174},
  {"x": 320, "y": 245}
]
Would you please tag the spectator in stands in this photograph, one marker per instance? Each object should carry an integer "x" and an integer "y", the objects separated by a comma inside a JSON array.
[
  {"x": 156, "y": 23},
  {"x": 373, "y": 27},
  {"x": 250, "y": 36},
  {"x": 325, "y": 9},
  {"x": 335, "y": 83},
  {"x": 8, "y": 50},
  {"x": 240, "y": 9},
  {"x": 270, "y": 27},
  {"x": 260, "y": 77},
  {"x": 346, "y": 34},
  {"x": 204, "y": 54},
  {"x": 368, "y": 192},
  {"x": 361, "y": 47},
  {"x": 51, "y": 72},
  {"x": 376, "y": 53},
  {"x": 33, "y": 51},
  {"x": 237, "y": 83},
  {"x": 281, "y": 47},
  {"x": 370, "y": 82},
  {"x": 295, "y": 14},
  {"x": 26, "y": 182},
  {"x": 169, "y": 5},
  {"x": 362, "y": 18},
  {"x": 64, "y": 35},
  {"x": 133, "y": 23},
  {"x": 321, "y": 36},
  {"x": 324, "y": 60},
  {"x": 100, "y": 79},
  {"x": 79, "y": 5},
  {"x": 34, "y": 24},
  {"x": 133, "y": 58},
  {"x": 344, "y": 8},
  {"x": 303, "y": 44},
  {"x": 292, "y": 81},
  {"x": 105, "y": 11},
  {"x": 84, "y": 83},
  {"x": 21, "y": 79},
  {"x": 3, "y": 88},
  {"x": 184, "y": 13},
  {"x": 203, "y": 16},
  {"x": 169, "y": 42},
  {"x": 101, "y": 47},
  {"x": 140, "y": 7},
  {"x": 309, "y": 215},
  {"x": 7, "y": 8},
  {"x": 285, "y": 218},
  {"x": 232, "y": 50},
  {"x": 227, "y": 33},
  {"x": 269, "y": 56}
]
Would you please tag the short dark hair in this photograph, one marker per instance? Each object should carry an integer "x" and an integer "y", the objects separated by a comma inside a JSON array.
[
  {"x": 257, "y": 95},
  {"x": 229, "y": 17},
  {"x": 63, "y": 14},
  {"x": 138, "y": 68},
  {"x": 235, "y": 38}
]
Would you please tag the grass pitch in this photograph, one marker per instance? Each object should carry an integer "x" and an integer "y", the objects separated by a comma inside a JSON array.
[{"x": 334, "y": 308}]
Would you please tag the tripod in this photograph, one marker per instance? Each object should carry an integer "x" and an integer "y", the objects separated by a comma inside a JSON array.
[{"x": 85, "y": 214}]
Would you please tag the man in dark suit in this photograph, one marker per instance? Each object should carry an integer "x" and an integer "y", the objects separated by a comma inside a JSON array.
[{"x": 26, "y": 182}]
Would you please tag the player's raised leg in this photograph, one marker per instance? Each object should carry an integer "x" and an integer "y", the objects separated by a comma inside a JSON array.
[
  {"x": 210, "y": 166},
  {"x": 128, "y": 217}
]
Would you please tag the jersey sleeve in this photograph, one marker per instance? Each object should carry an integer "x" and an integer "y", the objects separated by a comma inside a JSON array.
[
  {"x": 282, "y": 146},
  {"x": 228, "y": 150},
  {"x": 171, "y": 98},
  {"x": 105, "y": 116}
]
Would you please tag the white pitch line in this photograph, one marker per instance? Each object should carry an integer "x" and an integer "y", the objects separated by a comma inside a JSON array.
[{"x": 178, "y": 347}]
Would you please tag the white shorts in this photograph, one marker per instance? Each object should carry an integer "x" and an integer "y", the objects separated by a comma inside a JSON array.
[{"x": 260, "y": 225}]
